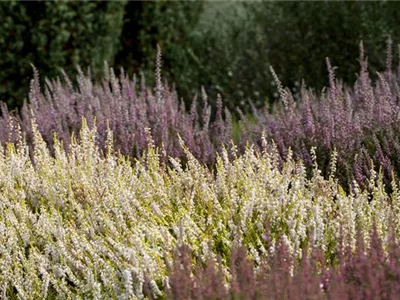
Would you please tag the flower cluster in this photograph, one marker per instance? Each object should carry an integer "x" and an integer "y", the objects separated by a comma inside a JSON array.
[
  {"x": 125, "y": 106},
  {"x": 359, "y": 122},
  {"x": 89, "y": 221},
  {"x": 366, "y": 274}
]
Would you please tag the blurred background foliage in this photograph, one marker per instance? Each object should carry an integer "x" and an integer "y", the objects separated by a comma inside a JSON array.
[
  {"x": 227, "y": 47},
  {"x": 54, "y": 36}
]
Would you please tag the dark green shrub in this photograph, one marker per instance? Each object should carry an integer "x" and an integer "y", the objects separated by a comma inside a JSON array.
[
  {"x": 229, "y": 48},
  {"x": 54, "y": 35},
  {"x": 226, "y": 55},
  {"x": 298, "y": 36},
  {"x": 169, "y": 24}
]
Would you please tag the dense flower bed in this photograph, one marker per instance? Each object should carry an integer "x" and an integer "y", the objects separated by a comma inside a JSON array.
[
  {"x": 366, "y": 274},
  {"x": 359, "y": 122},
  {"x": 83, "y": 222}
]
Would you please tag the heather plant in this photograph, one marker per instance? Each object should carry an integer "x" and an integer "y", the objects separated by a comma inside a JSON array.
[
  {"x": 127, "y": 107},
  {"x": 89, "y": 221},
  {"x": 364, "y": 274},
  {"x": 359, "y": 123}
]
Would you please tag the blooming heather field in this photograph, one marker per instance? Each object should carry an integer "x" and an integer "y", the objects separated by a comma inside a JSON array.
[{"x": 108, "y": 191}]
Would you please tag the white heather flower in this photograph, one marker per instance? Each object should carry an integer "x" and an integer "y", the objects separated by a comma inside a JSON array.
[
  {"x": 205, "y": 251},
  {"x": 154, "y": 289},
  {"x": 255, "y": 255},
  {"x": 58, "y": 272},
  {"x": 156, "y": 209},
  {"x": 138, "y": 284},
  {"x": 96, "y": 291},
  {"x": 128, "y": 283}
]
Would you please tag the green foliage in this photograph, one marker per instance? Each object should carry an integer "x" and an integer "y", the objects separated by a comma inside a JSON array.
[
  {"x": 227, "y": 47},
  {"x": 169, "y": 24},
  {"x": 228, "y": 57},
  {"x": 54, "y": 35},
  {"x": 231, "y": 49},
  {"x": 298, "y": 36}
]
